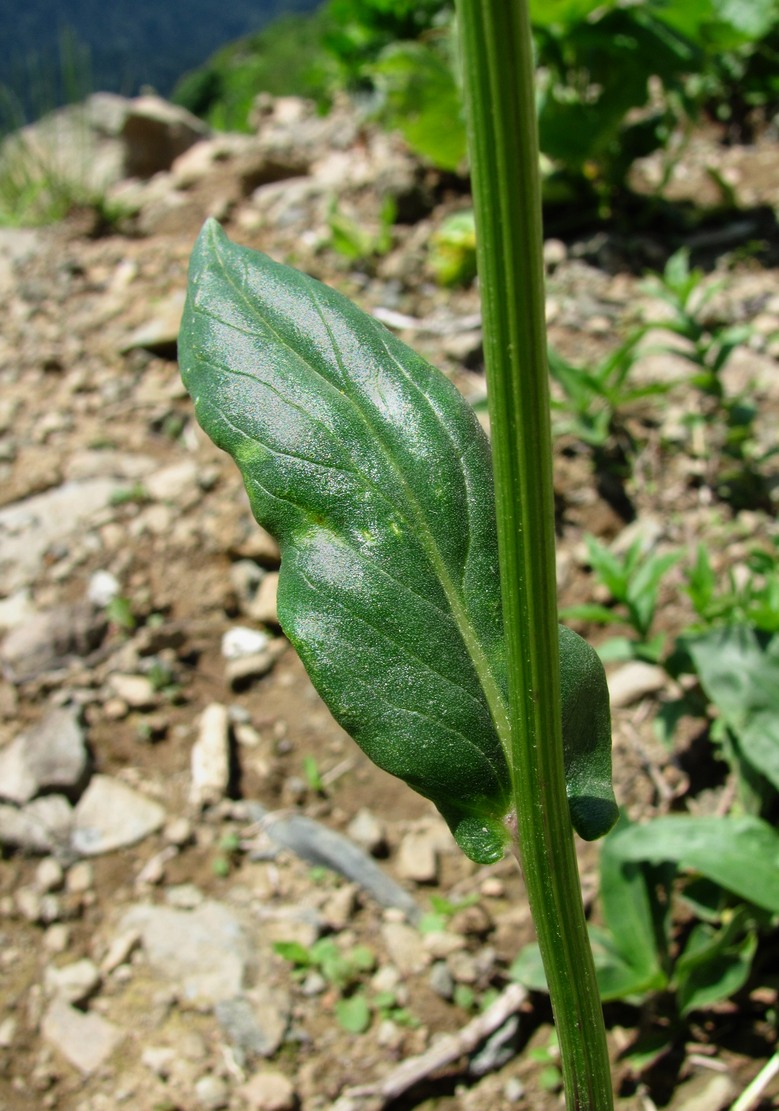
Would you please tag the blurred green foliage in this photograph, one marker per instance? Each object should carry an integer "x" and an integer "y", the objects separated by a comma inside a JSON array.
[{"x": 615, "y": 79}]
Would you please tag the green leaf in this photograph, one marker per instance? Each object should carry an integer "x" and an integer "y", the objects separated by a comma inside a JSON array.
[
  {"x": 626, "y": 902},
  {"x": 374, "y": 474},
  {"x": 741, "y": 678},
  {"x": 353, "y": 1014},
  {"x": 741, "y": 854},
  {"x": 714, "y": 965}
]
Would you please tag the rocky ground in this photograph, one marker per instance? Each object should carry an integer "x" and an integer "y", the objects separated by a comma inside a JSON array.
[{"x": 174, "y": 797}]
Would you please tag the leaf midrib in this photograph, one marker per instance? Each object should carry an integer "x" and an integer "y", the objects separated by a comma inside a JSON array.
[{"x": 494, "y": 697}]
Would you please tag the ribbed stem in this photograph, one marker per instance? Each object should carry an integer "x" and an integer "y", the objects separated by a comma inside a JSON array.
[{"x": 503, "y": 145}]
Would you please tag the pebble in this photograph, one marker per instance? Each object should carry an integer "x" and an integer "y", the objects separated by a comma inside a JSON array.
[
  {"x": 441, "y": 980},
  {"x": 42, "y": 826},
  {"x": 269, "y": 1091},
  {"x": 212, "y": 1093},
  {"x": 634, "y": 681},
  {"x": 57, "y": 938},
  {"x": 244, "y": 669},
  {"x": 137, "y": 691},
  {"x": 86, "y": 1040},
  {"x": 80, "y": 878},
  {"x": 255, "y": 1023},
  {"x": 74, "y": 982},
  {"x": 49, "y": 875},
  {"x": 179, "y": 832},
  {"x": 110, "y": 815},
  {"x": 242, "y": 641},
  {"x": 406, "y": 947},
  {"x": 210, "y": 759},
  {"x": 120, "y": 950},
  {"x": 50, "y": 755},
  {"x": 417, "y": 858},
  {"x": 203, "y": 953},
  {"x": 368, "y": 832},
  {"x": 262, "y": 607},
  {"x": 103, "y": 588}
]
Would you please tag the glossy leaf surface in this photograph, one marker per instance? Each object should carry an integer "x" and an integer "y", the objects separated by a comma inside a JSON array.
[{"x": 375, "y": 476}]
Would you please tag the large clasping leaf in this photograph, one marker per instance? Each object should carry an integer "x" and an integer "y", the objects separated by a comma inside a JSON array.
[{"x": 375, "y": 476}]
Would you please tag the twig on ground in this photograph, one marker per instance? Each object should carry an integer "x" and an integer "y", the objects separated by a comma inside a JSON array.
[
  {"x": 753, "y": 1093},
  {"x": 442, "y": 1053}
]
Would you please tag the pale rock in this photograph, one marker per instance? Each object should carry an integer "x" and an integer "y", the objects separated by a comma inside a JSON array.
[
  {"x": 110, "y": 815},
  {"x": 30, "y": 527},
  {"x": 57, "y": 938},
  {"x": 155, "y": 133},
  {"x": 103, "y": 588},
  {"x": 80, "y": 878},
  {"x": 49, "y": 875},
  {"x": 463, "y": 967},
  {"x": 240, "y": 641},
  {"x": 159, "y": 334},
  {"x": 417, "y": 859},
  {"x": 74, "y": 982},
  {"x": 256, "y": 543},
  {"x": 633, "y": 681},
  {"x": 246, "y": 668},
  {"x": 269, "y": 1091},
  {"x": 120, "y": 950},
  {"x": 210, "y": 762},
  {"x": 406, "y": 947},
  {"x": 137, "y": 691},
  {"x": 179, "y": 832},
  {"x": 177, "y": 483},
  {"x": 704, "y": 1092},
  {"x": 7, "y": 1032},
  {"x": 159, "y": 1059},
  {"x": 368, "y": 832},
  {"x": 203, "y": 953},
  {"x": 212, "y": 1093},
  {"x": 85, "y": 1040},
  {"x": 255, "y": 1023},
  {"x": 16, "y": 609},
  {"x": 50, "y": 755},
  {"x": 42, "y": 826},
  {"x": 262, "y": 607}
]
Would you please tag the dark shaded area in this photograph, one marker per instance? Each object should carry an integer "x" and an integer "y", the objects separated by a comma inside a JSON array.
[{"x": 118, "y": 47}]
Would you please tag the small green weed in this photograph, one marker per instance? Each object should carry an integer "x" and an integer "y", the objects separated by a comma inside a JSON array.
[
  {"x": 354, "y": 241},
  {"x": 634, "y": 581},
  {"x": 452, "y": 253}
]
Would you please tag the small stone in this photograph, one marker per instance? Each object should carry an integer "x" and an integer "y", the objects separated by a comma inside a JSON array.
[
  {"x": 417, "y": 858},
  {"x": 262, "y": 608},
  {"x": 49, "y": 875},
  {"x": 255, "y": 1023},
  {"x": 405, "y": 947},
  {"x": 441, "y": 980},
  {"x": 339, "y": 909},
  {"x": 159, "y": 1060},
  {"x": 85, "y": 1040},
  {"x": 211, "y": 757},
  {"x": 42, "y": 826},
  {"x": 103, "y": 588},
  {"x": 50, "y": 755},
  {"x": 241, "y": 641},
  {"x": 555, "y": 253},
  {"x": 368, "y": 832},
  {"x": 80, "y": 878},
  {"x": 120, "y": 950},
  {"x": 110, "y": 815},
  {"x": 7, "y": 1032},
  {"x": 203, "y": 953},
  {"x": 179, "y": 832},
  {"x": 174, "y": 483},
  {"x": 212, "y": 1093},
  {"x": 137, "y": 691},
  {"x": 634, "y": 681},
  {"x": 463, "y": 967},
  {"x": 74, "y": 982},
  {"x": 57, "y": 938},
  {"x": 269, "y": 1091}
]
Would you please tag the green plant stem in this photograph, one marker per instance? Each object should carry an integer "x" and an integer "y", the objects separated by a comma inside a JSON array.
[{"x": 503, "y": 146}]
